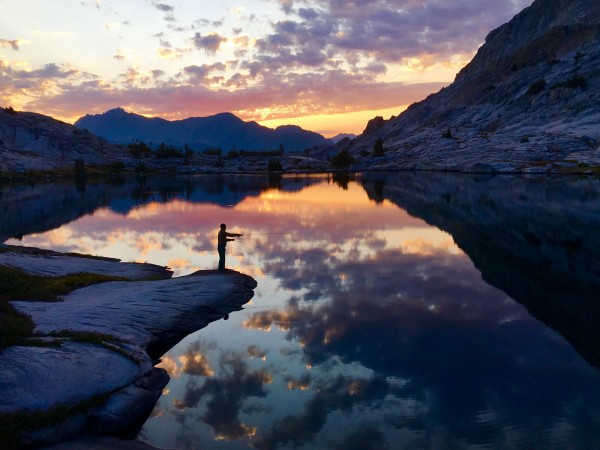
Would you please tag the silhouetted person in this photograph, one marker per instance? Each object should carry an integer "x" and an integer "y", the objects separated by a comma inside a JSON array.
[{"x": 223, "y": 238}]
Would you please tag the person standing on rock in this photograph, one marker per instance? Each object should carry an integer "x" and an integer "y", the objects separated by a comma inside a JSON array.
[{"x": 222, "y": 240}]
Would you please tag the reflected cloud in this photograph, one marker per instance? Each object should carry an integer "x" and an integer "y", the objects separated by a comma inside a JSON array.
[
  {"x": 302, "y": 383},
  {"x": 462, "y": 346},
  {"x": 338, "y": 394},
  {"x": 225, "y": 394},
  {"x": 254, "y": 351},
  {"x": 196, "y": 364},
  {"x": 366, "y": 438},
  {"x": 170, "y": 365}
]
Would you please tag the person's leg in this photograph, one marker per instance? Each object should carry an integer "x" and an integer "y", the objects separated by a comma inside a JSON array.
[{"x": 221, "y": 257}]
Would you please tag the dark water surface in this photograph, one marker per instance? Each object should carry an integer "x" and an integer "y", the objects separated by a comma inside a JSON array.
[{"x": 392, "y": 310}]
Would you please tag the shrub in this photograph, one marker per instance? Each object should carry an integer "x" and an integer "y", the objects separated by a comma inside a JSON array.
[
  {"x": 263, "y": 153},
  {"x": 342, "y": 159},
  {"x": 168, "y": 151},
  {"x": 342, "y": 180},
  {"x": 233, "y": 154},
  {"x": 274, "y": 165},
  {"x": 188, "y": 154},
  {"x": 141, "y": 167},
  {"x": 212, "y": 151},
  {"x": 576, "y": 82},
  {"x": 139, "y": 149},
  {"x": 79, "y": 170},
  {"x": 378, "y": 149},
  {"x": 117, "y": 167},
  {"x": 10, "y": 110},
  {"x": 536, "y": 87}
]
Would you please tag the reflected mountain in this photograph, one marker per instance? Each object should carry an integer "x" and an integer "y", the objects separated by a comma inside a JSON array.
[
  {"x": 534, "y": 238},
  {"x": 40, "y": 207}
]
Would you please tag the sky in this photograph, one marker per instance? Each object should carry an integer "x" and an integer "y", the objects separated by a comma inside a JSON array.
[{"x": 325, "y": 65}]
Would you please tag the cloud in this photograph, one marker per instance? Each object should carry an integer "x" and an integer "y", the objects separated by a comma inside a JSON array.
[
  {"x": 50, "y": 70},
  {"x": 290, "y": 95},
  {"x": 162, "y": 6},
  {"x": 322, "y": 57},
  {"x": 168, "y": 53},
  {"x": 14, "y": 43},
  {"x": 200, "y": 74},
  {"x": 384, "y": 31},
  {"x": 195, "y": 362},
  {"x": 224, "y": 394},
  {"x": 210, "y": 43}
]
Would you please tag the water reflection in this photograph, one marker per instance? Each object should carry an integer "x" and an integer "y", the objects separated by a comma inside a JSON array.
[{"x": 370, "y": 327}]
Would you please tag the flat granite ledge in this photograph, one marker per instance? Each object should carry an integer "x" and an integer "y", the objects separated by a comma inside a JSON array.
[{"x": 144, "y": 318}]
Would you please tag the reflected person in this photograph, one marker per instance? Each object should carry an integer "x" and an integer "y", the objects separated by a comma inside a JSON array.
[{"x": 222, "y": 240}]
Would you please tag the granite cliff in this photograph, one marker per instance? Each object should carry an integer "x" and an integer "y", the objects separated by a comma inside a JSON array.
[{"x": 528, "y": 101}]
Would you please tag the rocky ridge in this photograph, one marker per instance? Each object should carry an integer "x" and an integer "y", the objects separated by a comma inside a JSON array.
[
  {"x": 30, "y": 141},
  {"x": 529, "y": 101}
]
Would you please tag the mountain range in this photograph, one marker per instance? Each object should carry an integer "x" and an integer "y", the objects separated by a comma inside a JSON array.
[{"x": 225, "y": 131}]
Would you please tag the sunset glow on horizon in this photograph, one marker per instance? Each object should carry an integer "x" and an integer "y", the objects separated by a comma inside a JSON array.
[{"x": 327, "y": 66}]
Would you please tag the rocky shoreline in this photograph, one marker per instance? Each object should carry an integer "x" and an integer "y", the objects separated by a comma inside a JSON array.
[{"x": 106, "y": 385}]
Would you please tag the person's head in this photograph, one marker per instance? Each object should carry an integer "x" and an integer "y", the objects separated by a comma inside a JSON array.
[{"x": 223, "y": 226}]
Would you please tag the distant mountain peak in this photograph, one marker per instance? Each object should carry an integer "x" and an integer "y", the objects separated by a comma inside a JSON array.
[{"x": 224, "y": 130}]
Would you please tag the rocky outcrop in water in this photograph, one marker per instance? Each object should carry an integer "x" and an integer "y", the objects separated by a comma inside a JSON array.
[{"x": 528, "y": 101}]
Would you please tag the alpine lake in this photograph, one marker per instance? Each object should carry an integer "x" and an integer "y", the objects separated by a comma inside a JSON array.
[{"x": 393, "y": 310}]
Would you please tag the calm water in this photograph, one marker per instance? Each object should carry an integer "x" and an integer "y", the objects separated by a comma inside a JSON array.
[{"x": 392, "y": 311}]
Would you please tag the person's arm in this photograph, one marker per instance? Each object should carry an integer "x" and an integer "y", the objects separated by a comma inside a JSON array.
[{"x": 234, "y": 235}]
